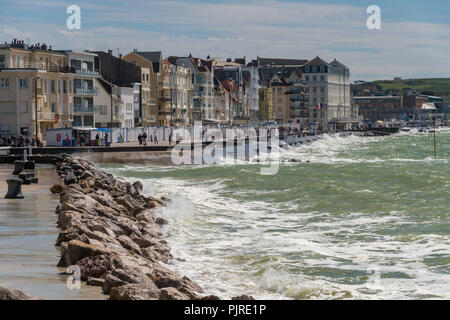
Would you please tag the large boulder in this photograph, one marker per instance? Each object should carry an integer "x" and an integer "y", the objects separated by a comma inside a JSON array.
[
  {"x": 135, "y": 291},
  {"x": 77, "y": 250},
  {"x": 57, "y": 188},
  {"x": 94, "y": 267},
  {"x": 70, "y": 178},
  {"x": 172, "y": 294},
  {"x": 6, "y": 294}
]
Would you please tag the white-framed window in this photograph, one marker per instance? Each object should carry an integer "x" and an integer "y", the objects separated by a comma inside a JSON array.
[
  {"x": 4, "y": 83},
  {"x": 23, "y": 84}
]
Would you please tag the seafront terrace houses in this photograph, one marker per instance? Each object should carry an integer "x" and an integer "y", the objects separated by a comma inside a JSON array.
[
  {"x": 85, "y": 91},
  {"x": 329, "y": 94},
  {"x": 125, "y": 79},
  {"x": 289, "y": 94},
  {"x": 160, "y": 94},
  {"x": 182, "y": 89},
  {"x": 284, "y": 77},
  {"x": 204, "y": 106},
  {"x": 149, "y": 92},
  {"x": 232, "y": 72},
  {"x": 53, "y": 79}
]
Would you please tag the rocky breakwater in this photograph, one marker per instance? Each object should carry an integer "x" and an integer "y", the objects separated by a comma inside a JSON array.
[{"x": 109, "y": 231}]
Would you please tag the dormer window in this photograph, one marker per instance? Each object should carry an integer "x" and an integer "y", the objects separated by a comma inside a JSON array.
[
  {"x": 314, "y": 69},
  {"x": 307, "y": 69},
  {"x": 322, "y": 69}
]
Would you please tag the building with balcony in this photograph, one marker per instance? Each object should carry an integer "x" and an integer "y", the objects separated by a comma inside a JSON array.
[
  {"x": 36, "y": 89},
  {"x": 265, "y": 104},
  {"x": 150, "y": 64},
  {"x": 230, "y": 75},
  {"x": 329, "y": 93},
  {"x": 289, "y": 93},
  {"x": 204, "y": 106},
  {"x": 85, "y": 68}
]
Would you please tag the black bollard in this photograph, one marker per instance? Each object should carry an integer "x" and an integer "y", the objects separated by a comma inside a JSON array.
[
  {"x": 19, "y": 165},
  {"x": 14, "y": 189}
]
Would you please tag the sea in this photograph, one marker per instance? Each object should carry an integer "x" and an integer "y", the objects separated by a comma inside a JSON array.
[{"x": 356, "y": 218}]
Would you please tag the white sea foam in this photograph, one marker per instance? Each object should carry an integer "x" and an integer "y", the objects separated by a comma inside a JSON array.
[{"x": 232, "y": 245}]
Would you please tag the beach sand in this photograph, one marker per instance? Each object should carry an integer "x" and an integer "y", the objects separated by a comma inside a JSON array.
[{"x": 28, "y": 232}]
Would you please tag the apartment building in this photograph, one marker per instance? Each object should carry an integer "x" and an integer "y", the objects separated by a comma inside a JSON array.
[
  {"x": 265, "y": 104},
  {"x": 150, "y": 63},
  {"x": 230, "y": 74},
  {"x": 36, "y": 89},
  {"x": 204, "y": 106},
  {"x": 329, "y": 93},
  {"x": 289, "y": 93},
  {"x": 85, "y": 66},
  {"x": 124, "y": 78}
]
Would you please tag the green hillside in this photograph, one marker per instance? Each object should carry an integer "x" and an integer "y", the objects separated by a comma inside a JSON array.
[{"x": 442, "y": 84}]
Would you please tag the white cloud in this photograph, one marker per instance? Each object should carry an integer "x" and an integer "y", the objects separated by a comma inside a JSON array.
[{"x": 254, "y": 28}]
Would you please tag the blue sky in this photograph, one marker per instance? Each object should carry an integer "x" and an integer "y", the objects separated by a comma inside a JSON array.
[{"x": 414, "y": 40}]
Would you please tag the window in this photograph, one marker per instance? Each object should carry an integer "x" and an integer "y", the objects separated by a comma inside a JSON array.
[
  {"x": 23, "y": 83},
  {"x": 306, "y": 69},
  {"x": 314, "y": 78},
  {"x": 103, "y": 110},
  {"x": 322, "y": 89},
  {"x": 307, "y": 78},
  {"x": 4, "y": 83},
  {"x": 322, "y": 69},
  {"x": 322, "y": 78},
  {"x": 52, "y": 86},
  {"x": 314, "y": 69},
  {"x": 52, "y": 108},
  {"x": 23, "y": 107},
  {"x": 64, "y": 86},
  {"x": 314, "y": 89}
]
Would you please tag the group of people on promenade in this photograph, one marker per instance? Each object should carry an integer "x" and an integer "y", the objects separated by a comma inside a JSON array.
[
  {"x": 142, "y": 138},
  {"x": 20, "y": 142},
  {"x": 82, "y": 140}
]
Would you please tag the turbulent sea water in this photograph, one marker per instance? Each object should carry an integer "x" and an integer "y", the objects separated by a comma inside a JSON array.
[{"x": 366, "y": 218}]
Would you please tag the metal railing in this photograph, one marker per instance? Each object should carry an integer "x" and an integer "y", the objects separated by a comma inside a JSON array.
[
  {"x": 86, "y": 91},
  {"x": 84, "y": 72},
  {"x": 79, "y": 108}
]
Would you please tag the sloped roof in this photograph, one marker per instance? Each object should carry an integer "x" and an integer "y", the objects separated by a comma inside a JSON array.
[
  {"x": 337, "y": 63},
  {"x": 152, "y": 56},
  {"x": 317, "y": 62},
  {"x": 281, "y": 62},
  {"x": 266, "y": 74}
]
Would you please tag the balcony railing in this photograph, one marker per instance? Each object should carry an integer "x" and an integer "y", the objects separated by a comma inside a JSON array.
[
  {"x": 34, "y": 66},
  {"x": 47, "y": 116},
  {"x": 86, "y": 91},
  {"x": 79, "y": 108},
  {"x": 84, "y": 72}
]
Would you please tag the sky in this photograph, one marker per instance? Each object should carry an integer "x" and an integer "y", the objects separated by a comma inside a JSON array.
[{"x": 413, "y": 42}]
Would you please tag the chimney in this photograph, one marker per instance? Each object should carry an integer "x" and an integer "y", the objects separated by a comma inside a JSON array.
[
  {"x": 120, "y": 56},
  {"x": 134, "y": 50},
  {"x": 110, "y": 52}
]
